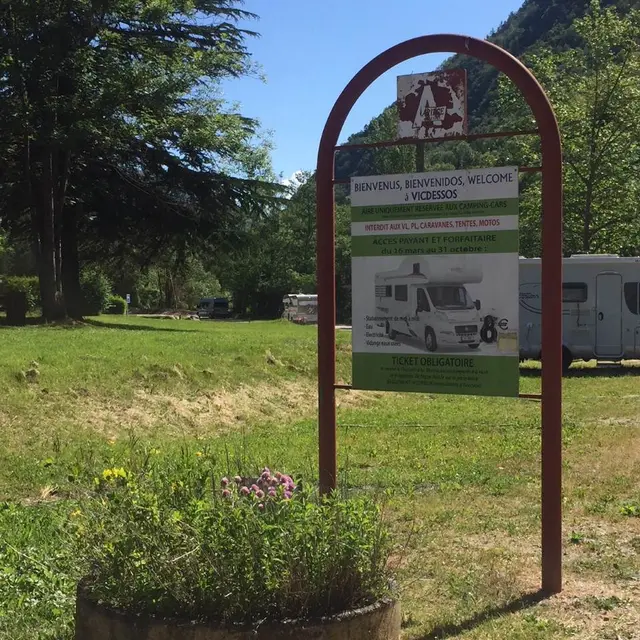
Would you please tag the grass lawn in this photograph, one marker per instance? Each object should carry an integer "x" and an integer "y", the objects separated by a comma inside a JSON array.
[{"x": 460, "y": 474}]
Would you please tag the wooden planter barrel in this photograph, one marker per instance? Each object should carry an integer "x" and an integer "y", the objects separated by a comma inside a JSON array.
[{"x": 94, "y": 621}]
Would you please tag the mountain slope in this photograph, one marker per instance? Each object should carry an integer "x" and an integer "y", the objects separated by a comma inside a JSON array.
[{"x": 537, "y": 23}]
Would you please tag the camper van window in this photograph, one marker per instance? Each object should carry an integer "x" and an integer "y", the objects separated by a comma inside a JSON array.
[
  {"x": 402, "y": 292},
  {"x": 574, "y": 292},
  {"x": 451, "y": 298},
  {"x": 423, "y": 301},
  {"x": 383, "y": 291},
  {"x": 632, "y": 296}
]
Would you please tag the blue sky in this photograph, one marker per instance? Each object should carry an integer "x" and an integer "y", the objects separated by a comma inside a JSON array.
[{"x": 309, "y": 50}]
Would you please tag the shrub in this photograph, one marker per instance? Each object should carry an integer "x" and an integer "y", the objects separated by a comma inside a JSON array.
[
  {"x": 191, "y": 545},
  {"x": 28, "y": 285},
  {"x": 96, "y": 290},
  {"x": 117, "y": 305},
  {"x": 146, "y": 294}
]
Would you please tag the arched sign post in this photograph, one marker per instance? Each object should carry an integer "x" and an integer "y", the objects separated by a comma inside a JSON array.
[{"x": 551, "y": 268}]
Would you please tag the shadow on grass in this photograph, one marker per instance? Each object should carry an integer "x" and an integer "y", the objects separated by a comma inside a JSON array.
[
  {"x": 490, "y": 613},
  {"x": 133, "y": 327},
  {"x": 40, "y": 322},
  {"x": 610, "y": 371},
  {"x": 75, "y": 324}
]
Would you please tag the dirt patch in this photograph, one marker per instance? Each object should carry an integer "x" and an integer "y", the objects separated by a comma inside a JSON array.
[
  {"x": 620, "y": 422},
  {"x": 47, "y": 494},
  {"x": 596, "y": 610},
  {"x": 592, "y": 605}
]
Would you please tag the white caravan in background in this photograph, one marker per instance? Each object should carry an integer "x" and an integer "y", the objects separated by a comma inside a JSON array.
[
  {"x": 427, "y": 299},
  {"x": 300, "y": 308},
  {"x": 600, "y": 311}
]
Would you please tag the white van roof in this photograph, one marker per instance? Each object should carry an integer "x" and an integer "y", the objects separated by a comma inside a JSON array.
[
  {"x": 302, "y": 296},
  {"x": 436, "y": 271},
  {"x": 590, "y": 258}
]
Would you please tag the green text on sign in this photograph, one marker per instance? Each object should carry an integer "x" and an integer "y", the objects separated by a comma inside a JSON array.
[
  {"x": 469, "y": 375},
  {"x": 468, "y": 208},
  {"x": 435, "y": 243}
]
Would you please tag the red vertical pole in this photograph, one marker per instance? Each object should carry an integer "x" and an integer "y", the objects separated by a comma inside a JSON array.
[
  {"x": 326, "y": 285},
  {"x": 552, "y": 364}
]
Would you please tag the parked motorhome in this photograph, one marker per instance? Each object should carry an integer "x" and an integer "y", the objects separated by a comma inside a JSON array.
[
  {"x": 428, "y": 300},
  {"x": 601, "y": 308},
  {"x": 301, "y": 308}
]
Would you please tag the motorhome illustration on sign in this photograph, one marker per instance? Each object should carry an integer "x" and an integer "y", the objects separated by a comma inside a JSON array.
[
  {"x": 432, "y": 105},
  {"x": 435, "y": 291}
]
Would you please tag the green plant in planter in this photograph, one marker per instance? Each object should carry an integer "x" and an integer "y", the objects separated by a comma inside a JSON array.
[
  {"x": 117, "y": 305},
  {"x": 231, "y": 550}
]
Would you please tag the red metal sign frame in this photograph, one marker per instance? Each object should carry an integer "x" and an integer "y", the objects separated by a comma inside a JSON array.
[{"x": 551, "y": 270}]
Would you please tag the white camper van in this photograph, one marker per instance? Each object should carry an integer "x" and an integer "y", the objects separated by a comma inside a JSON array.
[
  {"x": 601, "y": 308},
  {"x": 427, "y": 299},
  {"x": 301, "y": 308}
]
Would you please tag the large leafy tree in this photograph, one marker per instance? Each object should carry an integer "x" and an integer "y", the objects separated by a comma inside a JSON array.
[
  {"x": 114, "y": 129},
  {"x": 274, "y": 254},
  {"x": 595, "y": 90}
]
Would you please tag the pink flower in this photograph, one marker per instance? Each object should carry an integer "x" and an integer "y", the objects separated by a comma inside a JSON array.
[
  {"x": 265, "y": 475},
  {"x": 266, "y": 470},
  {"x": 260, "y": 494},
  {"x": 238, "y": 479},
  {"x": 278, "y": 475},
  {"x": 255, "y": 488},
  {"x": 273, "y": 482},
  {"x": 261, "y": 507},
  {"x": 287, "y": 495},
  {"x": 272, "y": 492},
  {"x": 226, "y": 493},
  {"x": 224, "y": 482},
  {"x": 245, "y": 491}
]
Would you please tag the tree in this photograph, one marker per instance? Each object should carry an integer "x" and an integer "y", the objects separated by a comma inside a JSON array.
[
  {"x": 274, "y": 254},
  {"x": 112, "y": 119},
  {"x": 376, "y": 161},
  {"x": 595, "y": 90},
  {"x": 3, "y": 254}
]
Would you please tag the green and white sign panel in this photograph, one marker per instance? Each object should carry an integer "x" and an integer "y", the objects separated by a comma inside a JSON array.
[{"x": 435, "y": 282}]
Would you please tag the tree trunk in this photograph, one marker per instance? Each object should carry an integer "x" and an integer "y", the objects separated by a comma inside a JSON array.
[
  {"x": 45, "y": 211},
  {"x": 587, "y": 218},
  {"x": 57, "y": 243},
  {"x": 49, "y": 171},
  {"x": 59, "y": 177},
  {"x": 168, "y": 290},
  {"x": 74, "y": 300}
]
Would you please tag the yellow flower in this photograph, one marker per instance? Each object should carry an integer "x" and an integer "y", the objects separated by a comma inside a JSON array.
[
  {"x": 113, "y": 474},
  {"x": 76, "y": 513},
  {"x": 199, "y": 454}
]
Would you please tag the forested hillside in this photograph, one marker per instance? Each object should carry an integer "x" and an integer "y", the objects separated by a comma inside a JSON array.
[{"x": 538, "y": 23}]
